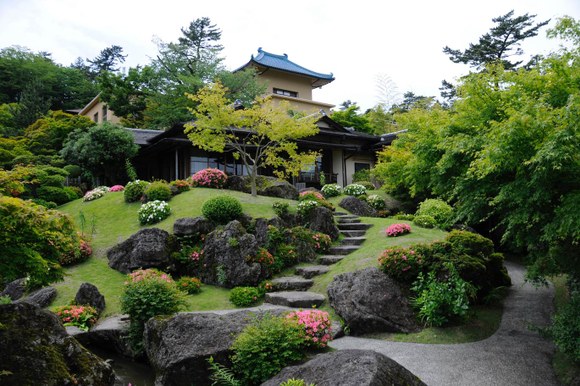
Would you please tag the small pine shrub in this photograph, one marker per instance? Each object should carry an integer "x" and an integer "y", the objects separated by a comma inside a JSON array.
[
  {"x": 331, "y": 190},
  {"x": 153, "y": 211},
  {"x": 355, "y": 190},
  {"x": 134, "y": 190},
  {"x": 265, "y": 347},
  {"x": 245, "y": 296},
  {"x": 424, "y": 221},
  {"x": 158, "y": 191},
  {"x": 222, "y": 209},
  {"x": 439, "y": 210},
  {"x": 210, "y": 178}
]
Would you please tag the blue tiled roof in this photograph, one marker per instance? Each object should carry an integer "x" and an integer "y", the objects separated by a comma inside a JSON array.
[{"x": 281, "y": 62}]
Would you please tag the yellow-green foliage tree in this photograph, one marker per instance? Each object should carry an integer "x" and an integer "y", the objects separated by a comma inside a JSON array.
[{"x": 261, "y": 135}]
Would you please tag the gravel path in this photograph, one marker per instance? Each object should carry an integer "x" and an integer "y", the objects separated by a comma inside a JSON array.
[{"x": 514, "y": 355}]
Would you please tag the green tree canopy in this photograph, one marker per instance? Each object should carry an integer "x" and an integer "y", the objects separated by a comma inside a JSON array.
[{"x": 262, "y": 135}]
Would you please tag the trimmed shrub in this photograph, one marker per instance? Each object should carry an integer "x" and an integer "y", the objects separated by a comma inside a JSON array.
[
  {"x": 400, "y": 263},
  {"x": 189, "y": 285},
  {"x": 134, "y": 190},
  {"x": 424, "y": 221},
  {"x": 395, "y": 230},
  {"x": 180, "y": 185},
  {"x": 355, "y": 190},
  {"x": 52, "y": 193},
  {"x": 367, "y": 184},
  {"x": 209, "y": 178},
  {"x": 222, "y": 209},
  {"x": 265, "y": 347},
  {"x": 74, "y": 171},
  {"x": 55, "y": 180},
  {"x": 439, "y": 210},
  {"x": 158, "y": 191},
  {"x": 117, "y": 188},
  {"x": 441, "y": 301},
  {"x": 153, "y": 211},
  {"x": 331, "y": 190},
  {"x": 404, "y": 216},
  {"x": 469, "y": 243},
  {"x": 377, "y": 202},
  {"x": 316, "y": 324},
  {"x": 83, "y": 252},
  {"x": 33, "y": 238},
  {"x": 245, "y": 296},
  {"x": 287, "y": 255},
  {"x": 73, "y": 192}
]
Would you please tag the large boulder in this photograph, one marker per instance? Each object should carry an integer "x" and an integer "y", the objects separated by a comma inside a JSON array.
[
  {"x": 36, "y": 350},
  {"x": 189, "y": 226},
  {"x": 321, "y": 219},
  {"x": 224, "y": 257},
  {"x": 370, "y": 301},
  {"x": 15, "y": 289},
  {"x": 89, "y": 295},
  {"x": 265, "y": 186},
  {"x": 109, "y": 334},
  {"x": 148, "y": 248},
  {"x": 358, "y": 207},
  {"x": 281, "y": 189},
  {"x": 178, "y": 347},
  {"x": 348, "y": 368},
  {"x": 261, "y": 231},
  {"x": 41, "y": 298}
]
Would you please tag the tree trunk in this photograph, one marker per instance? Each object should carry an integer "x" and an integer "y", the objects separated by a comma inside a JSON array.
[{"x": 253, "y": 176}]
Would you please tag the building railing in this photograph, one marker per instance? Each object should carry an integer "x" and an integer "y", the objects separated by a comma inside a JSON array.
[{"x": 314, "y": 178}]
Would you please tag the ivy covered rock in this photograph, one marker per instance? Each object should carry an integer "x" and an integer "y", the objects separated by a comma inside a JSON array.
[
  {"x": 148, "y": 248},
  {"x": 36, "y": 350}
]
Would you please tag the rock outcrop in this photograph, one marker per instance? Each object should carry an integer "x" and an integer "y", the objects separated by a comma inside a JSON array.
[
  {"x": 266, "y": 186},
  {"x": 321, "y": 219},
  {"x": 225, "y": 254},
  {"x": 370, "y": 301},
  {"x": 89, "y": 295},
  {"x": 15, "y": 289},
  {"x": 358, "y": 207},
  {"x": 36, "y": 350},
  {"x": 148, "y": 248},
  {"x": 41, "y": 297},
  {"x": 192, "y": 226},
  {"x": 349, "y": 368}
]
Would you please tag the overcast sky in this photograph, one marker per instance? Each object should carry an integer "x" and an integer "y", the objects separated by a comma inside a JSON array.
[{"x": 358, "y": 41}]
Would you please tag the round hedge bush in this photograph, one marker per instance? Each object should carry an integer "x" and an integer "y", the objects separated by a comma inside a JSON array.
[
  {"x": 424, "y": 221},
  {"x": 441, "y": 211},
  {"x": 153, "y": 211},
  {"x": 354, "y": 190},
  {"x": 158, "y": 191},
  {"x": 222, "y": 209},
  {"x": 134, "y": 190},
  {"x": 245, "y": 296},
  {"x": 331, "y": 190}
]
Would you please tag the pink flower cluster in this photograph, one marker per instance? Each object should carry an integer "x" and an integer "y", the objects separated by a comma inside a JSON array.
[
  {"x": 322, "y": 242},
  {"x": 117, "y": 188},
  {"x": 81, "y": 316},
  {"x": 400, "y": 263},
  {"x": 147, "y": 274},
  {"x": 398, "y": 230},
  {"x": 316, "y": 325},
  {"x": 310, "y": 194},
  {"x": 209, "y": 178}
]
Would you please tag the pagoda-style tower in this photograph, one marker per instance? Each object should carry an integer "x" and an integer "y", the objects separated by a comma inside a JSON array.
[{"x": 288, "y": 81}]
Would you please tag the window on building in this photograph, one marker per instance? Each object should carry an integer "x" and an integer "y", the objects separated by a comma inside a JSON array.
[
  {"x": 105, "y": 113},
  {"x": 361, "y": 166},
  {"x": 279, "y": 91},
  {"x": 96, "y": 117}
]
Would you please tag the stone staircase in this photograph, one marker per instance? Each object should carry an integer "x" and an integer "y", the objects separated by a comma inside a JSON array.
[{"x": 292, "y": 291}]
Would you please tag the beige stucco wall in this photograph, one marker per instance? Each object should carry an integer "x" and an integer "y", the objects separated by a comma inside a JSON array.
[
  {"x": 98, "y": 108},
  {"x": 285, "y": 81},
  {"x": 337, "y": 166},
  {"x": 350, "y": 165},
  {"x": 307, "y": 106}
]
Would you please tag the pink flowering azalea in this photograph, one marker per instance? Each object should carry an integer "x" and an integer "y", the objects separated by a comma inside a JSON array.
[
  {"x": 117, "y": 188},
  {"x": 316, "y": 325},
  {"x": 209, "y": 178},
  {"x": 398, "y": 230}
]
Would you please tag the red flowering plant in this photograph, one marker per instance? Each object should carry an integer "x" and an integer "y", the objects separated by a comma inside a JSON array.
[
  {"x": 209, "y": 178},
  {"x": 322, "y": 242},
  {"x": 316, "y": 325},
  {"x": 263, "y": 257},
  {"x": 82, "y": 317},
  {"x": 400, "y": 263},
  {"x": 398, "y": 230}
]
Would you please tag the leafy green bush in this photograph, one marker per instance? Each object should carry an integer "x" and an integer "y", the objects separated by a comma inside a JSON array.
[
  {"x": 440, "y": 301},
  {"x": 148, "y": 293},
  {"x": 55, "y": 180},
  {"x": 400, "y": 263},
  {"x": 424, "y": 221},
  {"x": 361, "y": 175},
  {"x": 296, "y": 382},
  {"x": 73, "y": 192},
  {"x": 53, "y": 194},
  {"x": 153, "y": 211},
  {"x": 469, "y": 243},
  {"x": 222, "y": 209},
  {"x": 286, "y": 254},
  {"x": 158, "y": 191},
  {"x": 439, "y": 210},
  {"x": 74, "y": 171},
  {"x": 376, "y": 201},
  {"x": 367, "y": 184},
  {"x": 281, "y": 208},
  {"x": 245, "y": 296},
  {"x": 46, "y": 204},
  {"x": 565, "y": 328},
  {"x": 354, "y": 190},
  {"x": 33, "y": 238},
  {"x": 331, "y": 190},
  {"x": 265, "y": 347},
  {"x": 303, "y": 242},
  {"x": 305, "y": 207},
  {"x": 134, "y": 190},
  {"x": 404, "y": 216},
  {"x": 189, "y": 285}
]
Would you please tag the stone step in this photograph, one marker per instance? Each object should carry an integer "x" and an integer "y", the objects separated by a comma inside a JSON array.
[
  {"x": 356, "y": 233},
  {"x": 330, "y": 259},
  {"x": 291, "y": 283},
  {"x": 352, "y": 240},
  {"x": 311, "y": 270},
  {"x": 354, "y": 226},
  {"x": 296, "y": 299},
  {"x": 340, "y": 214},
  {"x": 342, "y": 249},
  {"x": 343, "y": 220}
]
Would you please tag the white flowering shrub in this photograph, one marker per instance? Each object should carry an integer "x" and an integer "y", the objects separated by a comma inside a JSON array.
[
  {"x": 331, "y": 190},
  {"x": 355, "y": 190},
  {"x": 154, "y": 211},
  {"x": 97, "y": 192},
  {"x": 376, "y": 202},
  {"x": 304, "y": 207}
]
